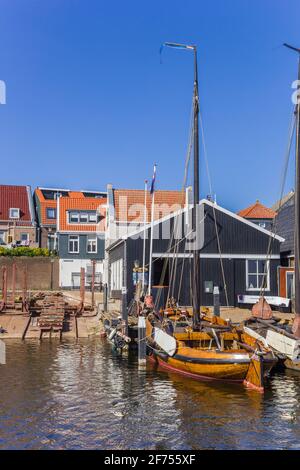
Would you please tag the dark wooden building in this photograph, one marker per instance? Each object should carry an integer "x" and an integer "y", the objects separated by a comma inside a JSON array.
[
  {"x": 285, "y": 227},
  {"x": 243, "y": 246}
]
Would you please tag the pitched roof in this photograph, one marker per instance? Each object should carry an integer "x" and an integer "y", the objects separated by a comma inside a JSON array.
[
  {"x": 282, "y": 202},
  {"x": 129, "y": 204},
  {"x": 257, "y": 211},
  {"x": 201, "y": 202},
  {"x": 47, "y": 199},
  {"x": 81, "y": 204},
  {"x": 17, "y": 197}
]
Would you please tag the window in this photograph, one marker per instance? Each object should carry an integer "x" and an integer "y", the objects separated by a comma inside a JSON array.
[
  {"x": 83, "y": 217},
  {"x": 24, "y": 237},
  {"x": 73, "y": 217},
  {"x": 93, "y": 217},
  {"x": 257, "y": 274},
  {"x": 51, "y": 213},
  {"x": 79, "y": 217},
  {"x": 262, "y": 224},
  {"x": 91, "y": 244},
  {"x": 51, "y": 241},
  {"x": 2, "y": 242},
  {"x": 116, "y": 280},
  {"x": 14, "y": 213},
  {"x": 73, "y": 244}
]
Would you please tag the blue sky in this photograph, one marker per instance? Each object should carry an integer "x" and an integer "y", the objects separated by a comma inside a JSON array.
[{"x": 89, "y": 103}]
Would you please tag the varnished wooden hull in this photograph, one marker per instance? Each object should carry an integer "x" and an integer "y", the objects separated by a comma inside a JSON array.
[
  {"x": 206, "y": 369},
  {"x": 222, "y": 367},
  {"x": 187, "y": 354}
]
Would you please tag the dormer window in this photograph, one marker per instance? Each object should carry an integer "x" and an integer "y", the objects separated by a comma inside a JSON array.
[
  {"x": 14, "y": 213},
  {"x": 51, "y": 213}
]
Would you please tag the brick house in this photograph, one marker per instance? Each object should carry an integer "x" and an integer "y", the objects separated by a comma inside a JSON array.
[
  {"x": 17, "y": 216},
  {"x": 81, "y": 223}
]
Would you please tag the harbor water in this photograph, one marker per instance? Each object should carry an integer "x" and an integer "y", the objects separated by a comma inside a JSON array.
[{"x": 82, "y": 395}]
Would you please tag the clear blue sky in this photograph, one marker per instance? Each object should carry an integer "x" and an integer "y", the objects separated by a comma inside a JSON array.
[{"x": 89, "y": 103}]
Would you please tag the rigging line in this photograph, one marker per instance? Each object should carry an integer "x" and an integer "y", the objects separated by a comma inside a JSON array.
[
  {"x": 186, "y": 167},
  {"x": 187, "y": 161},
  {"x": 181, "y": 275},
  {"x": 176, "y": 260},
  {"x": 214, "y": 210},
  {"x": 274, "y": 226}
]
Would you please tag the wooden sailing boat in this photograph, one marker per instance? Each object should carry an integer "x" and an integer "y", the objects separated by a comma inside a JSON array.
[{"x": 211, "y": 349}]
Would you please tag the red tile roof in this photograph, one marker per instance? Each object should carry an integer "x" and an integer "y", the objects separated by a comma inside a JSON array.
[
  {"x": 257, "y": 211},
  {"x": 81, "y": 204},
  {"x": 129, "y": 204},
  {"x": 51, "y": 203},
  {"x": 15, "y": 197}
]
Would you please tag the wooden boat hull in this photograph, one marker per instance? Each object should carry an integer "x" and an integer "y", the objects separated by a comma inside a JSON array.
[
  {"x": 250, "y": 371},
  {"x": 186, "y": 356},
  {"x": 204, "y": 371}
]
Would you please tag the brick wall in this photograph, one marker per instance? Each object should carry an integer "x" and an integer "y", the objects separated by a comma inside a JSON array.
[{"x": 38, "y": 272}]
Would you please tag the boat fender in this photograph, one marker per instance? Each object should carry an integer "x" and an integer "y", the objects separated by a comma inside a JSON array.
[{"x": 112, "y": 334}]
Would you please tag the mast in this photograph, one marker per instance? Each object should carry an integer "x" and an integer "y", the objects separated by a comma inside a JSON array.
[
  {"x": 152, "y": 192},
  {"x": 296, "y": 324},
  {"x": 196, "y": 253},
  {"x": 144, "y": 240}
]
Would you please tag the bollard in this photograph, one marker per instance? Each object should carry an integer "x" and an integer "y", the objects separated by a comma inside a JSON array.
[
  {"x": 216, "y": 296},
  {"x": 142, "y": 342},
  {"x": 105, "y": 297}
]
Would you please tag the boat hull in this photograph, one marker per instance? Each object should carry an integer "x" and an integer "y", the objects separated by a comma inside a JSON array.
[
  {"x": 206, "y": 370},
  {"x": 221, "y": 371}
]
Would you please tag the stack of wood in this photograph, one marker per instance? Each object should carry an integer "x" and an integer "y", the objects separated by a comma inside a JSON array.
[{"x": 52, "y": 313}]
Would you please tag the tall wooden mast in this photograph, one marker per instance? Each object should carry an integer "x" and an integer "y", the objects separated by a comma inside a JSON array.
[
  {"x": 296, "y": 324},
  {"x": 196, "y": 253},
  {"x": 195, "y": 220}
]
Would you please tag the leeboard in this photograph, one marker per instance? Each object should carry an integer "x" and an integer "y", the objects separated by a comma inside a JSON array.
[
  {"x": 272, "y": 300},
  {"x": 287, "y": 346},
  {"x": 166, "y": 342}
]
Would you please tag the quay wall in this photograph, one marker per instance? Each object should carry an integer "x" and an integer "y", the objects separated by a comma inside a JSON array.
[{"x": 42, "y": 272}]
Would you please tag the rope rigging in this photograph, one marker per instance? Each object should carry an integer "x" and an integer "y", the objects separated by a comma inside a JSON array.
[{"x": 274, "y": 227}]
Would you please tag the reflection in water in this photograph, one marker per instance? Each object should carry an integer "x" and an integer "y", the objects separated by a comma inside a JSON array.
[{"x": 82, "y": 395}]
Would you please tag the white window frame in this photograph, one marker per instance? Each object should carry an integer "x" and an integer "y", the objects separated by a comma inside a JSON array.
[
  {"x": 92, "y": 238},
  {"x": 83, "y": 214},
  {"x": 79, "y": 214},
  {"x": 2, "y": 237},
  {"x": 51, "y": 236},
  {"x": 93, "y": 215},
  {"x": 11, "y": 209},
  {"x": 73, "y": 238},
  {"x": 76, "y": 214},
  {"x": 267, "y": 288}
]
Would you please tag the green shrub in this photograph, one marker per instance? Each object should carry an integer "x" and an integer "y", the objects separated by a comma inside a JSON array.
[{"x": 25, "y": 251}]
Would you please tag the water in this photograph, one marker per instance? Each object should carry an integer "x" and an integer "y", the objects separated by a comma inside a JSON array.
[{"x": 80, "y": 395}]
